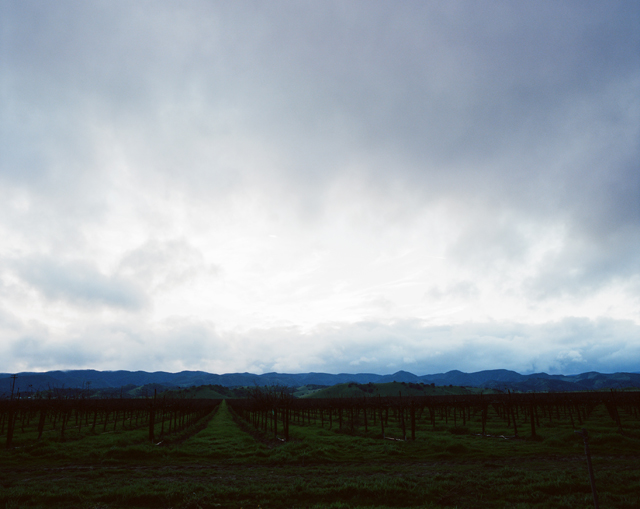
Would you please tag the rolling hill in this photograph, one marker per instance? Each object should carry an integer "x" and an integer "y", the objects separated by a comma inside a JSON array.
[{"x": 500, "y": 379}]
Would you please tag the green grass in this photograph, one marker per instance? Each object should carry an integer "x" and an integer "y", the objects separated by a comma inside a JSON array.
[{"x": 224, "y": 465}]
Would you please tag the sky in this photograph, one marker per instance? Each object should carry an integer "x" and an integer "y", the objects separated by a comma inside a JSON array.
[{"x": 295, "y": 186}]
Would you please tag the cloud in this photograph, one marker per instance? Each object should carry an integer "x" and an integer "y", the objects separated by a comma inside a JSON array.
[
  {"x": 164, "y": 265},
  {"x": 278, "y": 168},
  {"x": 39, "y": 353},
  {"x": 461, "y": 289},
  {"x": 79, "y": 283},
  {"x": 568, "y": 346},
  {"x": 584, "y": 265}
]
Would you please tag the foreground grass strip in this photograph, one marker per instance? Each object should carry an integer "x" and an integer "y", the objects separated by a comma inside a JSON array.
[{"x": 545, "y": 484}]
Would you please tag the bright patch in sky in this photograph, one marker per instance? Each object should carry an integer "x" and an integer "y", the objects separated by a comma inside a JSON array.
[{"x": 330, "y": 186}]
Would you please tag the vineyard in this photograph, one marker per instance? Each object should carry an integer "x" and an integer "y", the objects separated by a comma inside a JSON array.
[
  {"x": 273, "y": 450},
  {"x": 408, "y": 414},
  {"x": 26, "y": 421}
]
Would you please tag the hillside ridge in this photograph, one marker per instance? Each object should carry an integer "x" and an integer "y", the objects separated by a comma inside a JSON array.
[{"x": 501, "y": 379}]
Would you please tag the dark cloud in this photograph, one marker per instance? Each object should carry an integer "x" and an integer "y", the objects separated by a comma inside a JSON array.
[
  {"x": 571, "y": 345},
  {"x": 461, "y": 100},
  {"x": 80, "y": 283},
  {"x": 40, "y": 353}
]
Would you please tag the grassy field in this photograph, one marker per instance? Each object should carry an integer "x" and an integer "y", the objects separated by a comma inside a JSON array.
[{"x": 223, "y": 462}]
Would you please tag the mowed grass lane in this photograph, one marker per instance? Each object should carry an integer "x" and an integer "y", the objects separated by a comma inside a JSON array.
[{"x": 223, "y": 439}]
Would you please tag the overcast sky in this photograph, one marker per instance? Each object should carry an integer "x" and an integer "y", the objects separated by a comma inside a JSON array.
[{"x": 300, "y": 186}]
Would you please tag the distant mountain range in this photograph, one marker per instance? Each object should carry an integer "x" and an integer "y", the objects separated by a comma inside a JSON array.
[{"x": 491, "y": 379}]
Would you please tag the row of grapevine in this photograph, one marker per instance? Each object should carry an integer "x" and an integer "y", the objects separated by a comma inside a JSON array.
[
  {"x": 268, "y": 410},
  {"x": 31, "y": 419}
]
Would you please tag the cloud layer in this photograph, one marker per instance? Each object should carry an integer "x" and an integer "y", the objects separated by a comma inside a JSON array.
[{"x": 336, "y": 187}]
